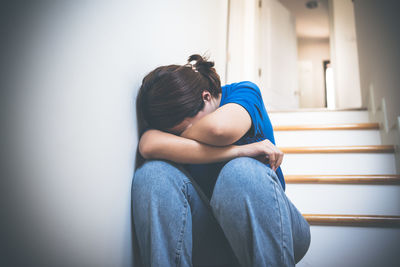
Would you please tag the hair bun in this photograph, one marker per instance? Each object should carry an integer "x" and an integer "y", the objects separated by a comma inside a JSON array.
[
  {"x": 207, "y": 70},
  {"x": 201, "y": 64}
]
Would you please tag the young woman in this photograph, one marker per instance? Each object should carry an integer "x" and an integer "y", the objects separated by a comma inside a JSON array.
[{"x": 211, "y": 191}]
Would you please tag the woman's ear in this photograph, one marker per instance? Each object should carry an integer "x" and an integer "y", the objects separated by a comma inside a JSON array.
[{"x": 206, "y": 95}]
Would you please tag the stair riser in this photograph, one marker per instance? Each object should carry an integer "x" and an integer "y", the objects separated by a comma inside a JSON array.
[
  {"x": 327, "y": 117},
  {"x": 345, "y": 199},
  {"x": 333, "y": 246},
  {"x": 348, "y": 246},
  {"x": 327, "y": 138},
  {"x": 339, "y": 163}
]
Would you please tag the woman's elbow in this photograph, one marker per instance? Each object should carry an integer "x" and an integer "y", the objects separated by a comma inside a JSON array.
[
  {"x": 221, "y": 136},
  {"x": 145, "y": 150}
]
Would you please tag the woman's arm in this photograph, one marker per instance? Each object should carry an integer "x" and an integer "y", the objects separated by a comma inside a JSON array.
[
  {"x": 222, "y": 127},
  {"x": 156, "y": 144}
]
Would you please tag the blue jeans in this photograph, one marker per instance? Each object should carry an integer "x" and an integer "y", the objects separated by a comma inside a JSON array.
[{"x": 249, "y": 220}]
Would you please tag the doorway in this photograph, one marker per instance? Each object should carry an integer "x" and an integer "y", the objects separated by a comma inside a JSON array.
[{"x": 313, "y": 49}]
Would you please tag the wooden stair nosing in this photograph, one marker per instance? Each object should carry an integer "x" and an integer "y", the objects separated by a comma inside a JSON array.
[
  {"x": 338, "y": 149},
  {"x": 343, "y": 179},
  {"x": 314, "y": 110},
  {"x": 345, "y": 126},
  {"x": 353, "y": 220}
]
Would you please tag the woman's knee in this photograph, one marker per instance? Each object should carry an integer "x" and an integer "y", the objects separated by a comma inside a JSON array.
[
  {"x": 246, "y": 166},
  {"x": 243, "y": 177},
  {"x": 156, "y": 178},
  {"x": 244, "y": 171}
]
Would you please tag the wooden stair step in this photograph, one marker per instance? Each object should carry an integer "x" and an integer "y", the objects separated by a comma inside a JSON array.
[
  {"x": 353, "y": 220},
  {"x": 343, "y": 179},
  {"x": 322, "y": 116},
  {"x": 346, "y": 126},
  {"x": 339, "y": 149},
  {"x": 315, "y": 110}
]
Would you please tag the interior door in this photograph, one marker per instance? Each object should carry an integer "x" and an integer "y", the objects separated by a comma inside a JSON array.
[
  {"x": 306, "y": 84},
  {"x": 277, "y": 56}
]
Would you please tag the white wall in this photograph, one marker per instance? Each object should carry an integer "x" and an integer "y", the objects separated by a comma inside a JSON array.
[
  {"x": 314, "y": 51},
  {"x": 72, "y": 140},
  {"x": 344, "y": 56},
  {"x": 378, "y": 45}
]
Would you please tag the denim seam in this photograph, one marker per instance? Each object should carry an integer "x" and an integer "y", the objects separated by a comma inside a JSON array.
[
  {"x": 274, "y": 177},
  {"x": 278, "y": 186},
  {"x": 186, "y": 192},
  {"x": 280, "y": 219},
  {"x": 181, "y": 234}
]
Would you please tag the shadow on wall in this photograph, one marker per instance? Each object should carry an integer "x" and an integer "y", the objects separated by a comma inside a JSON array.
[{"x": 73, "y": 70}]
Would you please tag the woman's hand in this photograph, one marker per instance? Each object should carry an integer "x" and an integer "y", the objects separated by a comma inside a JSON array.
[{"x": 263, "y": 151}]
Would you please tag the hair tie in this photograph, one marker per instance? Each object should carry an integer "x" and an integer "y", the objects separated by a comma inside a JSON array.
[{"x": 191, "y": 66}]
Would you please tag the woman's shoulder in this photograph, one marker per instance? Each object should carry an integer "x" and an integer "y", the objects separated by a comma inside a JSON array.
[{"x": 243, "y": 86}]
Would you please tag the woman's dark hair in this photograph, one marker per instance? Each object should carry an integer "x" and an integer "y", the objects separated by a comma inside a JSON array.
[{"x": 169, "y": 94}]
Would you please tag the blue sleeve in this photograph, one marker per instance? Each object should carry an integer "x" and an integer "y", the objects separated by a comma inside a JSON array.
[{"x": 248, "y": 95}]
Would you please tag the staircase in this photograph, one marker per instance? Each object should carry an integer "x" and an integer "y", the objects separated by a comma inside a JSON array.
[{"x": 344, "y": 182}]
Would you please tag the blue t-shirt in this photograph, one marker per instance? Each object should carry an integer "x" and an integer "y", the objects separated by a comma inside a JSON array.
[{"x": 248, "y": 95}]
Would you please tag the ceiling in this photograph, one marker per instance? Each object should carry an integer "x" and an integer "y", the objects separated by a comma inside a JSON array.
[{"x": 310, "y": 23}]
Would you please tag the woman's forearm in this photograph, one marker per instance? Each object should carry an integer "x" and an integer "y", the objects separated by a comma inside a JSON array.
[{"x": 156, "y": 144}]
